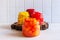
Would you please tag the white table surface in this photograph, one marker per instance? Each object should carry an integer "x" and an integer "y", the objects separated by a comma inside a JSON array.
[{"x": 53, "y": 33}]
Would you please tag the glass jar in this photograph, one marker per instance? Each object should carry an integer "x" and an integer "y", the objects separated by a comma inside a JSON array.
[
  {"x": 31, "y": 27},
  {"x": 22, "y": 16}
]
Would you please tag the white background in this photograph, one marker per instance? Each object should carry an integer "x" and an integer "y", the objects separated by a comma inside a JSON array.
[{"x": 9, "y": 9}]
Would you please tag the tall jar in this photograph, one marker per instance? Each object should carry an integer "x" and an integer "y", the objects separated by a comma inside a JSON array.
[{"x": 31, "y": 27}]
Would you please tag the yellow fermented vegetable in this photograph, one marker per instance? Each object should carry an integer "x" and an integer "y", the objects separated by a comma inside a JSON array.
[{"x": 22, "y": 16}]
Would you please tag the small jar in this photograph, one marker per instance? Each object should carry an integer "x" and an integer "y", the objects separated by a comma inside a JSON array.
[
  {"x": 22, "y": 16},
  {"x": 31, "y": 27}
]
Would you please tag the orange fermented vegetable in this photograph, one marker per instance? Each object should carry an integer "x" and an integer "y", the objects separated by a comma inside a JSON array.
[{"x": 31, "y": 27}]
